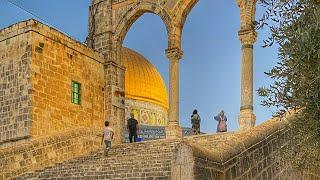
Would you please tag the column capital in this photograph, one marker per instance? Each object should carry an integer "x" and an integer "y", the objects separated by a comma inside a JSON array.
[
  {"x": 247, "y": 36},
  {"x": 174, "y": 54}
]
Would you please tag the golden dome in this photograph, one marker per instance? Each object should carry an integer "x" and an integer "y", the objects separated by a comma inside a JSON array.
[{"x": 142, "y": 80}]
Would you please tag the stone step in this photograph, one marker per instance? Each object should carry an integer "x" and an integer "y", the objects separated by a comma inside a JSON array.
[
  {"x": 140, "y": 160},
  {"x": 109, "y": 166}
]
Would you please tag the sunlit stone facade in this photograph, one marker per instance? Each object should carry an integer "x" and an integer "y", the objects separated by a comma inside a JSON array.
[{"x": 39, "y": 66}]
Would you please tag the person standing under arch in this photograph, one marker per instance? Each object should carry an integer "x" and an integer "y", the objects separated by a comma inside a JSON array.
[
  {"x": 222, "y": 122},
  {"x": 132, "y": 126},
  {"x": 195, "y": 122}
]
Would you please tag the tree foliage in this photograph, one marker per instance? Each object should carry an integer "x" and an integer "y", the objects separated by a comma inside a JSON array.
[{"x": 295, "y": 27}]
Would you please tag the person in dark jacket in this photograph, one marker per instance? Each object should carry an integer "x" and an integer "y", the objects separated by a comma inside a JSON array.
[
  {"x": 195, "y": 122},
  {"x": 132, "y": 126}
]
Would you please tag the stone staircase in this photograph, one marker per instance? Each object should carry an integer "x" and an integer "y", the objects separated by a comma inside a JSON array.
[
  {"x": 235, "y": 155},
  {"x": 146, "y": 160}
]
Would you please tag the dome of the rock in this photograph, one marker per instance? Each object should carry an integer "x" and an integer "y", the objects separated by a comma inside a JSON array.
[{"x": 145, "y": 91}]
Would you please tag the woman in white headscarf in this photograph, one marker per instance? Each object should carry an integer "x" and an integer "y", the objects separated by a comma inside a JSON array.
[{"x": 222, "y": 122}]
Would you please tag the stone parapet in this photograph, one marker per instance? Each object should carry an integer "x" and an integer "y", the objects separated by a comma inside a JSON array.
[
  {"x": 46, "y": 151},
  {"x": 251, "y": 154},
  {"x": 48, "y": 32}
]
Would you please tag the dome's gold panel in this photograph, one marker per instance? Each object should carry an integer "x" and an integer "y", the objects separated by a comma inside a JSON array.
[{"x": 142, "y": 80}]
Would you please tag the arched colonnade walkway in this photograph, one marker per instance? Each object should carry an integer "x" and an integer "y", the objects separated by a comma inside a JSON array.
[{"x": 109, "y": 22}]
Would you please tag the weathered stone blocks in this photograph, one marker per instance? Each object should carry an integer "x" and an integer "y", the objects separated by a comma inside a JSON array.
[
  {"x": 15, "y": 56},
  {"x": 37, "y": 66},
  {"x": 43, "y": 152}
]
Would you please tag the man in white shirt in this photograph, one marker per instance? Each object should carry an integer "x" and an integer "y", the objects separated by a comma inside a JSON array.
[{"x": 107, "y": 136}]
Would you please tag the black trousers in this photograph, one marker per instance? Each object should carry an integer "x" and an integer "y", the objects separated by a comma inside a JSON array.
[{"x": 134, "y": 136}]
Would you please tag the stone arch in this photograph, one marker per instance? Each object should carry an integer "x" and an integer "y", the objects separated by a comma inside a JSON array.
[
  {"x": 125, "y": 23},
  {"x": 182, "y": 10},
  {"x": 111, "y": 23}
]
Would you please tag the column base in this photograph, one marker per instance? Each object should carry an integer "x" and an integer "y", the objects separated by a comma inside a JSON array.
[
  {"x": 246, "y": 119},
  {"x": 173, "y": 131}
]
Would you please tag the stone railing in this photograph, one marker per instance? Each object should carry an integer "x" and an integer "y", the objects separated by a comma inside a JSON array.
[
  {"x": 244, "y": 155},
  {"x": 251, "y": 154},
  {"x": 47, "y": 151}
]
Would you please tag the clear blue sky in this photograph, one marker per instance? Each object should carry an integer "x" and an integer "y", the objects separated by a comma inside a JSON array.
[{"x": 210, "y": 69}]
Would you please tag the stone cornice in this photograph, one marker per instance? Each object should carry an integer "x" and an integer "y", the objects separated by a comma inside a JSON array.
[
  {"x": 112, "y": 63},
  {"x": 247, "y": 36},
  {"x": 174, "y": 54},
  {"x": 246, "y": 107}
]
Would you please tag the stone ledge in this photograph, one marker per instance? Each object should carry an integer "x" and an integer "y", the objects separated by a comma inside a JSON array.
[
  {"x": 240, "y": 154},
  {"x": 43, "y": 152},
  {"x": 33, "y": 25},
  {"x": 231, "y": 144},
  {"x": 205, "y": 153},
  {"x": 14, "y": 140}
]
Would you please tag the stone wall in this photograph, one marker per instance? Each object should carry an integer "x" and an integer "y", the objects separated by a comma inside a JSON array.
[
  {"x": 243, "y": 155},
  {"x": 57, "y": 60},
  {"x": 147, "y": 160},
  {"x": 15, "y": 56},
  {"x": 38, "y": 65},
  {"x": 257, "y": 151},
  {"x": 45, "y": 152},
  {"x": 251, "y": 154}
]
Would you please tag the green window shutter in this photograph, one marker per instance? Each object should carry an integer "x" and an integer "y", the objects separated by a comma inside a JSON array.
[{"x": 75, "y": 92}]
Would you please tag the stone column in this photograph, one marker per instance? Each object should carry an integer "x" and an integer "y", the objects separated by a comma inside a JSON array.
[
  {"x": 101, "y": 38},
  {"x": 115, "y": 100},
  {"x": 246, "y": 117},
  {"x": 173, "y": 129}
]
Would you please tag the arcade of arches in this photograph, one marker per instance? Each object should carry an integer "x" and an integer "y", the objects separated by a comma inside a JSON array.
[{"x": 109, "y": 22}]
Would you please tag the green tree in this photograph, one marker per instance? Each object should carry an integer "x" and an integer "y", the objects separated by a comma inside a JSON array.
[{"x": 295, "y": 27}]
